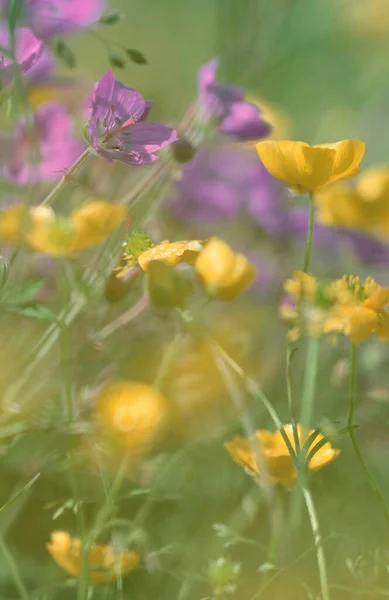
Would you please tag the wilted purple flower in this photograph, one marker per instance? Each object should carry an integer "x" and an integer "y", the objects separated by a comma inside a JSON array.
[
  {"x": 226, "y": 103},
  {"x": 116, "y": 128},
  {"x": 53, "y": 151},
  {"x": 222, "y": 181},
  {"x": 51, "y": 17},
  {"x": 27, "y": 50}
]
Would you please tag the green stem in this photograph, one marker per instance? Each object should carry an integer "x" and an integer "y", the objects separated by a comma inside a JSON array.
[
  {"x": 307, "y": 408},
  {"x": 321, "y": 559},
  {"x": 168, "y": 357},
  {"x": 66, "y": 178},
  {"x": 309, "y": 242},
  {"x": 292, "y": 412},
  {"x": 13, "y": 569},
  {"x": 351, "y": 429}
]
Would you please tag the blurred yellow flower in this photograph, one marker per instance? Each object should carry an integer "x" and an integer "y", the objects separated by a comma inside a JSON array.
[
  {"x": 225, "y": 274},
  {"x": 362, "y": 206},
  {"x": 359, "y": 309},
  {"x": 368, "y": 18},
  {"x": 105, "y": 564},
  {"x": 308, "y": 168},
  {"x": 44, "y": 231},
  {"x": 133, "y": 412},
  {"x": 275, "y": 452}
]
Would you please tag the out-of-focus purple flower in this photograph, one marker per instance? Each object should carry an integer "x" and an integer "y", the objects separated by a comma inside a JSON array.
[
  {"x": 53, "y": 151},
  {"x": 42, "y": 70},
  {"x": 51, "y": 17},
  {"x": 236, "y": 117},
  {"x": 116, "y": 125},
  {"x": 222, "y": 181},
  {"x": 366, "y": 248},
  {"x": 27, "y": 50}
]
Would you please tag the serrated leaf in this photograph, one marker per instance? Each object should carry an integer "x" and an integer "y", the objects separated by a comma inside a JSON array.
[
  {"x": 20, "y": 296},
  {"x": 34, "y": 311}
]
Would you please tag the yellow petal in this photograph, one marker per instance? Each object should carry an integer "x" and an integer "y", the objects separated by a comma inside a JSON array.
[
  {"x": 171, "y": 253},
  {"x": 348, "y": 155},
  {"x": 304, "y": 168},
  {"x": 378, "y": 299},
  {"x": 95, "y": 221},
  {"x": 215, "y": 263}
]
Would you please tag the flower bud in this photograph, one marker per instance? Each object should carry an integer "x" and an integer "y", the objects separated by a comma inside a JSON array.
[
  {"x": 224, "y": 274},
  {"x": 183, "y": 151},
  {"x": 223, "y": 575},
  {"x": 116, "y": 288},
  {"x": 167, "y": 287}
]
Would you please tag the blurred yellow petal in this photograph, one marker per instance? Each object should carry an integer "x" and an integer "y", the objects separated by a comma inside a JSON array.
[
  {"x": 94, "y": 221},
  {"x": 171, "y": 253}
]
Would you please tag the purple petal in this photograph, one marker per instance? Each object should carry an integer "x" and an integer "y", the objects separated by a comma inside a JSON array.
[
  {"x": 28, "y": 51},
  {"x": 207, "y": 75},
  {"x": 101, "y": 100},
  {"x": 126, "y": 104},
  {"x": 50, "y": 17},
  {"x": 244, "y": 122},
  {"x": 146, "y": 138}
]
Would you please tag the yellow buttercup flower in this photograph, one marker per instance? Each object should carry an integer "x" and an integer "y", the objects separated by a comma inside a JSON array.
[
  {"x": 308, "y": 168},
  {"x": 364, "y": 206},
  {"x": 133, "y": 412},
  {"x": 44, "y": 231},
  {"x": 105, "y": 564},
  {"x": 275, "y": 452},
  {"x": 225, "y": 274},
  {"x": 359, "y": 310}
]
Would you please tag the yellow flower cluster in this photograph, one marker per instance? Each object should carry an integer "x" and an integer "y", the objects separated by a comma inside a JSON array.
[
  {"x": 345, "y": 305},
  {"x": 43, "y": 231},
  {"x": 363, "y": 206},
  {"x": 306, "y": 168},
  {"x": 104, "y": 563},
  {"x": 224, "y": 274},
  {"x": 279, "y": 462}
]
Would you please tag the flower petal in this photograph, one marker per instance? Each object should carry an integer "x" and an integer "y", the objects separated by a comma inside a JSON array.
[
  {"x": 146, "y": 138},
  {"x": 348, "y": 155}
]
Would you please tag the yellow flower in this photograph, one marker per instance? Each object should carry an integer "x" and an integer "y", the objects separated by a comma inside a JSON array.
[
  {"x": 43, "y": 231},
  {"x": 171, "y": 253},
  {"x": 308, "y": 168},
  {"x": 224, "y": 273},
  {"x": 306, "y": 306},
  {"x": 363, "y": 206},
  {"x": 104, "y": 563},
  {"x": 134, "y": 412},
  {"x": 276, "y": 454},
  {"x": 359, "y": 310}
]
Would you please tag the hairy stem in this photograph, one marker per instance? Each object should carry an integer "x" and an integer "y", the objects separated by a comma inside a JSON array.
[{"x": 309, "y": 242}]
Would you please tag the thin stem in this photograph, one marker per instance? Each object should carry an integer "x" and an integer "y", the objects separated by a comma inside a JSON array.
[
  {"x": 307, "y": 408},
  {"x": 13, "y": 569},
  {"x": 168, "y": 358},
  {"x": 321, "y": 559},
  {"x": 67, "y": 177},
  {"x": 351, "y": 429},
  {"x": 292, "y": 412},
  {"x": 309, "y": 242}
]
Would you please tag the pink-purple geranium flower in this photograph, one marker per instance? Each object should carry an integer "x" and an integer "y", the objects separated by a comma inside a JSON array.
[
  {"x": 116, "y": 126},
  {"x": 28, "y": 49},
  {"x": 51, "y": 17},
  {"x": 46, "y": 157},
  {"x": 225, "y": 103}
]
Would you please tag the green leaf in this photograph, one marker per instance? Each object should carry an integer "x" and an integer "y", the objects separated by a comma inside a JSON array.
[
  {"x": 136, "y": 56},
  {"x": 20, "y": 492},
  {"x": 19, "y": 296},
  {"x": 111, "y": 17},
  {"x": 34, "y": 311},
  {"x": 64, "y": 53}
]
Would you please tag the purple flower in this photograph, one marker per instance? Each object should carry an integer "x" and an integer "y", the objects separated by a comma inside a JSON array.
[
  {"x": 116, "y": 128},
  {"x": 226, "y": 103},
  {"x": 27, "y": 49},
  {"x": 51, "y": 17},
  {"x": 46, "y": 158},
  {"x": 220, "y": 182}
]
